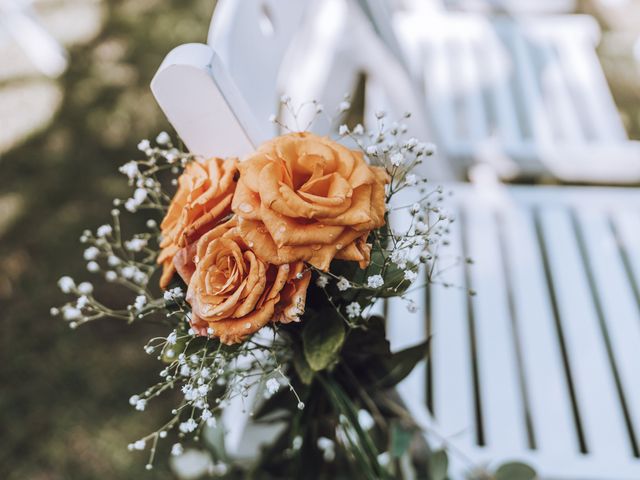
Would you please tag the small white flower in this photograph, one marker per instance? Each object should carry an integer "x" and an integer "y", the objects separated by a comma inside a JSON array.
[
  {"x": 133, "y": 399},
  {"x": 372, "y": 150},
  {"x": 141, "y": 405},
  {"x": 111, "y": 276},
  {"x": 322, "y": 281},
  {"x": 131, "y": 205},
  {"x": 365, "y": 420},
  {"x": 272, "y": 386},
  {"x": 71, "y": 313},
  {"x": 343, "y": 130},
  {"x": 177, "y": 449},
  {"x": 167, "y": 295},
  {"x": 135, "y": 244},
  {"x": 177, "y": 292},
  {"x": 210, "y": 331},
  {"x": 140, "y": 277},
  {"x": 206, "y": 414},
  {"x": 343, "y": 284},
  {"x": 151, "y": 223},
  {"x": 399, "y": 257},
  {"x": 141, "y": 301},
  {"x": 410, "y": 275},
  {"x": 144, "y": 145},
  {"x": 93, "y": 267},
  {"x": 104, "y": 230},
  {"x": 380, "y": 114},
  {"x": 327, "y": 447},
  {"x": 358, "y": 129},
  {"x": 411, "y": 143},
  {"x": 82, "y": 302},
  {"x": 212, "y": 422},
  {"x": 415, "y": 208},
  {"x": 375, "y": 281},
  {"x": 397, "y": 159},
  {"x": 411, "y": 179},
  {"x": 384, "y": 459},
  {"x": 139, "y": 445},
  {"x": 113, "y": 261},
  {"x": 353, "y": 310},
  {"x": 185, "y": 371},
  {"x": 130, "y": 169},
  {"x": 66, "y": 284},
  {"x": 172, "y": 338},
  {"x": 163, "y": 138},
  {"x": 297, "y": 442},
  {"x": 91, "y": 253},
  {"x": 54, "y": 312},
  {"x": 85, "y": 288},
  {"x": 188, "y": 426},
  {"x": 140, "y": 195}
]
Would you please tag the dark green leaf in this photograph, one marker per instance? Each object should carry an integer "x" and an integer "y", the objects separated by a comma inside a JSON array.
[
  {"x": 400, "y": 364},
  {"x": 515, "y": 471},
  {"x": 438, "y": 465},
  {"x": 302, "y": 368},
  {"x": 322, "y": 338},
  {"x": 400, "y": 440}
]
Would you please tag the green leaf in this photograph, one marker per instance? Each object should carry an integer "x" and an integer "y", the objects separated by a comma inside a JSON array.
[
  {"x": 400, "y": 364},
  {"x": 322, "y": 338},
  {"x": 302, "y": 367},
  {"x": 400, "y": 440},
  {"x": 515, "y": 471},
  {"x": 438, "y": 465}
]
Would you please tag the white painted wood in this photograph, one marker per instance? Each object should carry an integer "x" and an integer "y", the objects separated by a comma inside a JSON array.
[
  {"x": 453, "y": 398},
  {"x": 556, "y": 455},
  {"x": 548, "y": 394},
  {"x": 542, "y": 94},
  {"x": 502, "y": 405},
  {"x": 203, "y": 104},
  {"x": 252, "y": 38}
]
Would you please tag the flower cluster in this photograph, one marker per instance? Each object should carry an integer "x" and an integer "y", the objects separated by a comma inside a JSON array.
[{"x": 268, "y": 267}]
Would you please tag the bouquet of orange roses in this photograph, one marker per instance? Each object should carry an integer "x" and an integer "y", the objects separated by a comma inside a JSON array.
[{"x": 270, "y": 273}]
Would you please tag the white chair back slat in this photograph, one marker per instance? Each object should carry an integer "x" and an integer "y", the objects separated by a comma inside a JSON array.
[
  {"x": 203, "y": 104},
  {"x": 590, "y": 89},
  {"x": 595, "y": 389},
  {"x": 502, "y": 406},
  {"x": 469, "y": 89},
  {"x": 554, "y": 431},
  {"x": 451, "y": 362},
  {"x": 497, "y": 79},
  {"x": 252, "y": 38},
  {"x": 617, "y": 304}
]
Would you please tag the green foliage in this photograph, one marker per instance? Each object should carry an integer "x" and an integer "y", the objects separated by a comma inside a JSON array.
[
  {"x": 322, "y": 337},
  {"x": 438, "y": 465},
  {"x": 515, "y": 471}
]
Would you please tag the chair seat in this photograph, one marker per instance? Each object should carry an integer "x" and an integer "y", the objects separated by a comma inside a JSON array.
[{"x": 542, "y": 364}]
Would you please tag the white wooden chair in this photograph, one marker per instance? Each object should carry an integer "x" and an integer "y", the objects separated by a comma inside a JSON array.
[
  {"x": 526, "y": 93},
  {"x": 542, "y": 364}
]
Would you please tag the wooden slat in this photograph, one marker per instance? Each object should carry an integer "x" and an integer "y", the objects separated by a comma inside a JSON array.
[
  {"x": 599, "y": 408},
  {"x": 453, "y": 398},
  {"x": 502, "y": 405},
  {"x": 469, "y": 89},
  {"x": 627, "y": 227},
  {"x": 554, "y": 429},
  {"x": 618, "y": 304}
]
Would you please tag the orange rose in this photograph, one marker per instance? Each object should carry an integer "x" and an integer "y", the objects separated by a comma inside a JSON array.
[
  {"x": 203, "y": 199},
  {"x": 305, "y": 197},
  {"x": 234, "y": 292}
]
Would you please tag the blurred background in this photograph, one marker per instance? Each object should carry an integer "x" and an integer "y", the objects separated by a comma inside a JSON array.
[{"x": 74, "y": 102}]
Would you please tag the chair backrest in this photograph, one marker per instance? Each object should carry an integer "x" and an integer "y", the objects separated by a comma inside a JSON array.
[
  {"x": 532, "y": 85},
  {"x": 515, "y": 6},
  {"x": 252, "y": 37}
]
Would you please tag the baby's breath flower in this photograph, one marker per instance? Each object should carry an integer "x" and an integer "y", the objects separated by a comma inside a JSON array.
[
  {"x": 172, "y": 338},
  {"x": 93, "y": 267},
  {"x": 141, "y": 405},
  {"x": 151, "y": 223},
  {"x": 135, "y": 244},
  {"x": 415, "y": 208},
  {"x": 177, "y": 450},
  {"x": 358, "y": 129},
  {"x": 104, "y": 231},
  {"x": 322, "y": 280},
  {"x": 188, "y": 426},
  {"x": 343, "y": 130},
  {"x": 130, "y": 169},
  {"x": 141, "y": 301},
  {"x": 372, "y": 150},
  {"x": 163, "y": 138},
  {"x": 411, "y": 179},
  {"x": 85, "y": 288},
  {"x": 375, "y": 281},
  {"x": 71, "y": 313},
  {"x": 111, "y": 276},
  {"x": 343, "y": 284},
  {"x": 144, "y": 145},
  {"x": 91, "y": 253},
  {"x": 397, "y": 159},
  {"x": 410, "y": 275},
  {"x": 399, "y": 257},
  {"x": 272, "y": 386},
  {"x": 66, "y": 284},
  {"x": 353, "y": 310}
]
